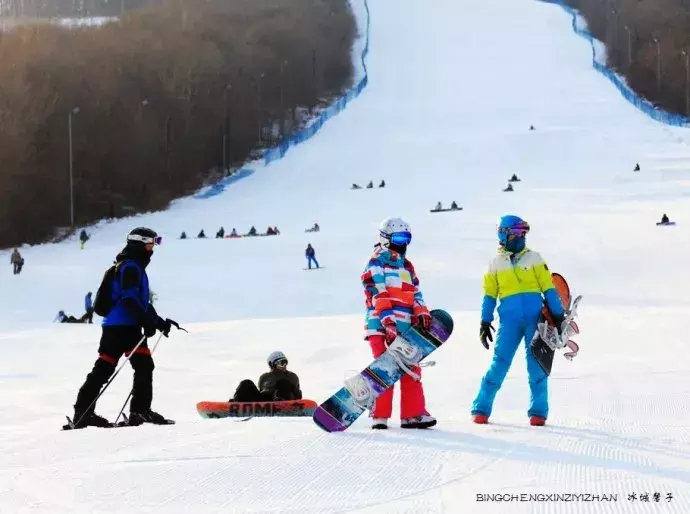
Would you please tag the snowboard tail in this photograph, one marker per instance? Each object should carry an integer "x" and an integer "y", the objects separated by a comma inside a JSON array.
[
  {"x": 546, "y": 339},
  {"x": 288, "y": 408},
  {"x": 359, "y": 393}
]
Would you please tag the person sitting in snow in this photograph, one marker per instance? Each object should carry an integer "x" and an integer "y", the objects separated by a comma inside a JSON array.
[
  {"x": 276, "y": 385},
  {"x": 356, "y": 186},
  {"x": 270, "y": 231},
  {"x": 201, "y": 235},
  {"x": 514, "y": 178},
  {"x": 383, "y": 183},
  {"x": 220, "y": 233},
  {"x": 509, "y": 188},
  {"x": 252, "y": 231},
  {"x": 183, "y": 235},
  {"x": 454, "y": 206},
  {"x": 370, "y": 185},
  {"x": 64, "y": 318},
  {"x": 234, "y": 232},
  {"x": 439, "y": 206}
]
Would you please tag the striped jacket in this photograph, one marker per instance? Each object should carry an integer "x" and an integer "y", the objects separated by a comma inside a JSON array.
[
  {"x": 518, "y": 281},
  {"x": 391, "y": 291}
]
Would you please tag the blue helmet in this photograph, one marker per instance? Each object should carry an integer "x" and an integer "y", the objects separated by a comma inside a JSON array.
[{"x": 511, "y": 227}]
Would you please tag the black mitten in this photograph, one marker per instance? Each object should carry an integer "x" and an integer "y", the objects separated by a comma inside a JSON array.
[{"x": 485, "y": 333}]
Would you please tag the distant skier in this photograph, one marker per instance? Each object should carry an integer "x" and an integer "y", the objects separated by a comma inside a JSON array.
[
  {"x": 518, "y": 277},
  {"x": 17, "y": 261},
  {"x": 279, "y": 384},
  {"x": 453, "y": 206},
  {"x": 439, "y": 207},
  {"x": 83, "y": 238},
  {"x": 514, "y": 178},
  {"x": 221, "y": 233},
  {"x": 130, "y": 312},
  {"x": 370, "y": 185},
  {"x": 88, "y": 308},
  {"x": 201, "y": 235},
  {"x": 383, "y": 183},
  {"x": 508, "y": 189},
  {"x": 183, "y": 235},
  {"x": 311, "y": 256},
  {"x": 394, "y": 302}
]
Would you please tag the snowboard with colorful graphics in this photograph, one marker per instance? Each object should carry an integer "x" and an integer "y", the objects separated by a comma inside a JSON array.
[
  {"x": 342, "y": 409},
  {"x": 546, "y": 339},
  {"x": 287, "y": 408}
]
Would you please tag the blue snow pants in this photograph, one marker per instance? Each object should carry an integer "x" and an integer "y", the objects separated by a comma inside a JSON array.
[
  {"x": 310, "y": 259},
  {"x": 510, "y": 334}
]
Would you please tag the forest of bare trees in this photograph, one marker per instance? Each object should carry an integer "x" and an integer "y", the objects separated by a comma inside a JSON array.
[
  {"x": 69, "y": 8},
  {"x": 648, "y": 42},
  {"x": 155, "y": 104}
]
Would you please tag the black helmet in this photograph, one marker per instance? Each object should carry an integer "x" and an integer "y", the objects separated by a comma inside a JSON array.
[{"x": 144, "y": 235}]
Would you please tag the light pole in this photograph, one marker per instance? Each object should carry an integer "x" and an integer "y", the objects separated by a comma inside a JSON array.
[
  {"x": 658, "y": 65},
  {"x": 226, "y": 130},
  {"x": 687, "y": 81},
  {"x": 73, "y": 111},
  {"x": 143, "y": 104},
  {"x": 627, "y": 29}
]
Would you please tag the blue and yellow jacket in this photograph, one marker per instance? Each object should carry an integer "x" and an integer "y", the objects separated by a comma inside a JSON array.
[{"x": 518, "y": 281}]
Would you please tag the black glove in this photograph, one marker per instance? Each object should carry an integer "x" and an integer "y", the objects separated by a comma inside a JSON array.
[
  {"x": 149, "y": 328},
  {"x": 485, "y": 333},
  {"x": 558, "y": 321},
  {"x": 164, "y": 325}
]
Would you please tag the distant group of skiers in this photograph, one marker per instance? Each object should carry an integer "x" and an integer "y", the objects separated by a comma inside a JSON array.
[
  {"x": 270, "y": 231},
  {"x": 370, "y": 185},
  {"x": 439, "y": 207}
]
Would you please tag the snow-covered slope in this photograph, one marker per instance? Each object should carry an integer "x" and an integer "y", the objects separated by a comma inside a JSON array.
[{"x": 453, "y": 91}]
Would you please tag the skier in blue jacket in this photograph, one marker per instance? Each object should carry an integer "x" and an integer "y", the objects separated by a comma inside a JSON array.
[
  {"x": 518, "y": 277},
  {"x": 130, "y": 314}
]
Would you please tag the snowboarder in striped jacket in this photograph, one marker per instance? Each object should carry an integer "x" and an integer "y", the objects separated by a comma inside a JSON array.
[{"x": 393, "y": 303}]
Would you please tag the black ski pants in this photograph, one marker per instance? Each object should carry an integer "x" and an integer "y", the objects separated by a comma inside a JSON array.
[
  {"x": 115, "y": 342},
  {"x": 248, "y": 392}
]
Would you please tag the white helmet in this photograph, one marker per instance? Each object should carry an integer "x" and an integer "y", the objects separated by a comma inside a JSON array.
[
  {"x": 275, "y": 357},
  {"x": 391, "y": 226}
]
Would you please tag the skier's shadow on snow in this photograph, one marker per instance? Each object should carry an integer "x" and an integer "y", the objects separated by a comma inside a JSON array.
[{"x": 460, "y": 442}]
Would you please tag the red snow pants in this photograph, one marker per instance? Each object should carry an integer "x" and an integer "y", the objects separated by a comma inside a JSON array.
[{"x": 412, "y": 401}]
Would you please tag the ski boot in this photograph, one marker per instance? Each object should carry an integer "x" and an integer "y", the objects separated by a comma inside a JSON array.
[
  {"x": 138, "y": 418},
  {"x": 88, "y": 419},
  {"x": 480, "y": 419},
  {"x": 537, "y": 421},
  {"x": 379, "y": 424},
  {"x": 423, "y": 421}
]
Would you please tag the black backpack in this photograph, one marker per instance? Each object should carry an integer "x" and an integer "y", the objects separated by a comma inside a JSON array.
[{"x": 103, "y": 303}]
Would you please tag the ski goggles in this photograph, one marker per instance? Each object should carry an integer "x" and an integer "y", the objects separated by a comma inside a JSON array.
[
  {"x": 519, "y": 230},
  {"x": 399, "y": 238},
  {"x": 146, "y": 240},
  {"x": 281, "y": 362}
]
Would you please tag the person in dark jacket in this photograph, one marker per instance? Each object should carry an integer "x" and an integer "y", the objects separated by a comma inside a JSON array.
[
  {"x": 122, "y": 327},
  {"x": 17, "y": 261},
  {"x": 278, "y": 384},
  {"x": 88, "y": 308},
  {"x": 221, "y": 233},
  {"x": 310, "y": 254}
]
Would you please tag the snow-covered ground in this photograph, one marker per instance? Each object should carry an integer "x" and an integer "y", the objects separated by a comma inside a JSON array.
[{"x": 453, "y": 90}]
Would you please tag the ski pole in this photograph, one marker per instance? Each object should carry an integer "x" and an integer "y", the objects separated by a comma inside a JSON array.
[
  {"x": 428, "y": 363},
  {"x": 132, "y": 390},
  {"x": 76, "y": 421}
]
